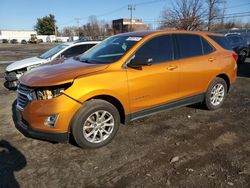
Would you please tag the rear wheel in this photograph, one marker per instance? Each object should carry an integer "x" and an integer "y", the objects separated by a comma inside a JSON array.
[
  {"x": 95, "y": 124},
  {"x": 216, "y": 94}
]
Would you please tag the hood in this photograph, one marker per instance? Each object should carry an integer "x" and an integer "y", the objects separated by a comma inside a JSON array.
[
  {"x": 58, "y": 72},
  {"x": 24, "y": 63}
]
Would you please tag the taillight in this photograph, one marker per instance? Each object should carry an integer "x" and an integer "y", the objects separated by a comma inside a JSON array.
[{"x": 235, "y": 56}]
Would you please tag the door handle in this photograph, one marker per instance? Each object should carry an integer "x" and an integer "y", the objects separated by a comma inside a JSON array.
[
  {"x": 211, "y": 59},
  {"x": 172, "y": 67}
]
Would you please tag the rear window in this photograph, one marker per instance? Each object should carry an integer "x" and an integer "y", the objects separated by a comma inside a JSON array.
[
  {"x": 189, "y": 45},
  {"x": 222, "y": 41},
  {"x": 207, "y": 48}
]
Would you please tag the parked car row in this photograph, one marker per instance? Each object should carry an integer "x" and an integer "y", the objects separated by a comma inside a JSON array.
[
  {"x": 12, "y": 41},
  {"x": 15, "y": 41},
  {"x": 239, "y": 45},
  {"x": 16, "y": 69},
  {"x": 124, "y": 78}
]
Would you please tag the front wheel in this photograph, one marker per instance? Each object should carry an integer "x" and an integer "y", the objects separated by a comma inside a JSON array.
[
  {"x": 215, "y": 94},
  {"x": 95, "y": 124}
]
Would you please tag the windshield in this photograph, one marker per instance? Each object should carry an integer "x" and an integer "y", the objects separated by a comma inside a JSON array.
[
  {"x": 52, "y": 51},
  {"x": 110, "y": 50}
]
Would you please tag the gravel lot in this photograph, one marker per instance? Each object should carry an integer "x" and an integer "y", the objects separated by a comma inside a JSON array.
[{"x": 187, "y": 147}]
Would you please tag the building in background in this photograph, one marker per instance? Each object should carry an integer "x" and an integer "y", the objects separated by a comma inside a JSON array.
[
  {"x": 125, "y": 25},
  {"x": 17, "y": 34},
  {"x": 26, "y": 35}
]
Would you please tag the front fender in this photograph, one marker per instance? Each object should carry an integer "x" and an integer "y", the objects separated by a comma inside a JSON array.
[{"x": 112, "y": 84}]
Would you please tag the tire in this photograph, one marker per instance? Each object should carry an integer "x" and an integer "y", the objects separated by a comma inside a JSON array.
[
  {"x": 11, "y": 76},
  {"x": 92, "y": 132},
  {"x": 242, "y": 56},
  {"x": 213, "y": 99}
]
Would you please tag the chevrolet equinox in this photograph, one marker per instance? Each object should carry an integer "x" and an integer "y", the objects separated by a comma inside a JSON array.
[{"x": 124, "y": 78}]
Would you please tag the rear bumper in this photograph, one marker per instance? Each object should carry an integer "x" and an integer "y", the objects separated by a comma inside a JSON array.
[{"x": 27, "y": 131}]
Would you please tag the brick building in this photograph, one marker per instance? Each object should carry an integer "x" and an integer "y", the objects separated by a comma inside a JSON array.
[{"x": 124, "y": 25}]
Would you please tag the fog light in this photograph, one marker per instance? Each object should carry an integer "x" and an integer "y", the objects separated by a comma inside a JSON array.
[{"x": 51, "y": 120}]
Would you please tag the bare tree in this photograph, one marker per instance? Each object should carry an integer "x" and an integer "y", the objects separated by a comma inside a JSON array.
[
  {"x": 214, "y": 12},
  {"x": 184, "y": 14},
  {"x": 93, "y": 29},
  {"x": 68, "y": 31},
  {"x": 96, "y": 29}
]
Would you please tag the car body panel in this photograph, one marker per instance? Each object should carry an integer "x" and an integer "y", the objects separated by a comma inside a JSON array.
[
  {"x": 145, "y": 93},
  {"x": 55, "y": 106},
  {"x": 25, "y": 63},
  {"x": 59, "y": 72}
]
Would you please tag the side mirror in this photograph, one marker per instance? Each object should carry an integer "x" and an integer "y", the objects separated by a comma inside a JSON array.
[{"x": 139, "y": 61}]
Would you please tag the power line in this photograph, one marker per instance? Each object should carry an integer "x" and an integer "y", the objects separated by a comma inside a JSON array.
[
  {"x": 236, "y": 6},
  {"x": 116, "y": 10},
  {"x": 148, "y": 2}
]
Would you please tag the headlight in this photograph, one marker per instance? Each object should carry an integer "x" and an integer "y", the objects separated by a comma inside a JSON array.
[{"x": 45, "y": 93}]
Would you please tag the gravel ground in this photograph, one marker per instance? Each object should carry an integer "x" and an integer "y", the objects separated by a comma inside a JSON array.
[
  {"x": 14, "y": 52},
  {"x": 186, "y": 147}
]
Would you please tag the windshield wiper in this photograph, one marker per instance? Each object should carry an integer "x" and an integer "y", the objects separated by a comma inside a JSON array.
[
  {"x": 85, "y": 61},
  {"x": 76, "y": 58}
]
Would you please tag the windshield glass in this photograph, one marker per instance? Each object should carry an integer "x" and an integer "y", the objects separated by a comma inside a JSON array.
[
  {"x": 110, "y": 50},
  {"x": 52, "y": 51}
]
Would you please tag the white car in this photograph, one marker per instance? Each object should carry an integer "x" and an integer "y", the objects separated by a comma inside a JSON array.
[{"x": 65, "y": 50}]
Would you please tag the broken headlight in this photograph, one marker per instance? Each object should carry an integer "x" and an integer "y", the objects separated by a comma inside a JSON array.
[{"x": 45, "y": 93}]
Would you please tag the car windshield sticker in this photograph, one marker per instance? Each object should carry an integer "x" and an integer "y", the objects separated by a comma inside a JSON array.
[{"x": 134, "y": 38}]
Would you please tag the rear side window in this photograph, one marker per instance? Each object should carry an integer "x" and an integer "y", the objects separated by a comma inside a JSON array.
[
  {"x": 207, "y": 48},
  {"x": 222, "y": 41},
  {"x": 158, "y": 49},
  {"x": 189, "y": 45}
]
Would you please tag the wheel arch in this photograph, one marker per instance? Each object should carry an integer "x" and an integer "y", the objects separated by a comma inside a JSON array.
[
  {"x": 114, "y": 101},
  {"x": 226, "y": 78}
]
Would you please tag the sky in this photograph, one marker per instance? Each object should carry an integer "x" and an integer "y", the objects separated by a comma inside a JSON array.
[{"x": 22, "y": 14}]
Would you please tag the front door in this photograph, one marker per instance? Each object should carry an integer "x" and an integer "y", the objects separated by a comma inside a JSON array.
[{"x": 156, "y": 82}]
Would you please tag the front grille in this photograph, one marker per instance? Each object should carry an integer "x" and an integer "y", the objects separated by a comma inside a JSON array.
[{"x": 22, "y": 93}]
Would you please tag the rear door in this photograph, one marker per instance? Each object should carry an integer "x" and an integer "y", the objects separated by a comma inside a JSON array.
[{"x": 198, "y": 60}]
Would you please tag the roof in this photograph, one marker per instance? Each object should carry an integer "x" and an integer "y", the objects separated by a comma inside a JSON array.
[
  {"x": 81, "y": 42},
  {"x": 148, "y": 32}
]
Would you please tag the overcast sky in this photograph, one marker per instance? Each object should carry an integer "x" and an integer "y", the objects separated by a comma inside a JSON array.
[{"x": 22, "y": 14}]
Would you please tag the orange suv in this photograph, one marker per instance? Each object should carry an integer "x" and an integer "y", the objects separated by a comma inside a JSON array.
[{"x": 126, "y": 77}]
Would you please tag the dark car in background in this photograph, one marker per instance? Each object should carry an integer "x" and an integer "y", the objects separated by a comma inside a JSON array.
[
  {"x": 5, "y": 41},
  {"x": 24, "y": 42},
  {"x": 14, "y": 41},
  {"x": 240, "y": 46}
]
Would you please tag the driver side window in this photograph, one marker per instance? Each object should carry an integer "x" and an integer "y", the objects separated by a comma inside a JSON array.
[{"x": 156, "y": 50}]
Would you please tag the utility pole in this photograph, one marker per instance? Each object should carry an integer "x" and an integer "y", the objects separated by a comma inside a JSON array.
[
  {"x": 131, "y": 8},
  {"x": 78, "y": 25},
  {"x": 55, "y": 28},
  {"x": 223, "y": 12}
]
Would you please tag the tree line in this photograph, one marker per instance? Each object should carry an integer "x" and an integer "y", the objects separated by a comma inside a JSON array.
[{"x": 209, "y": 15}]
